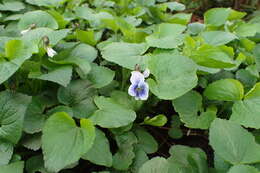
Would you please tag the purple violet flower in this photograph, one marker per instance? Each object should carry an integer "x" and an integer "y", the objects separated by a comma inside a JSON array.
[{"x": 139, "y": 88}]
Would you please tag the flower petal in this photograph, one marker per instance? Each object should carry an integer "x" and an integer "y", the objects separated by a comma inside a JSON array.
[
  {"x": 132, "y": 90},
  {"x": 146, "y": 73},
  {"x": 51, "y": 52},
  {"x": 136, "y": 77},
  {"x": 144, "y": 93}
]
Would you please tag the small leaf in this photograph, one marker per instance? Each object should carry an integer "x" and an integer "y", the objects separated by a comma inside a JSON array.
[
  {"x": 158, "y": 120},
  {"x": 225, "y": 90}
]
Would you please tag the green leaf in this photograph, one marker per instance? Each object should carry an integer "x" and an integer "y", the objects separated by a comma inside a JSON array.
[
  {"x": 156, "y": 164},
  {"x": 158, "y": 120},
  {"x": 13, "y": 107},
  {"x": 196, "y": 28},
  {"x": 188, "y": 107},
  {"x": 256, "y": 52},
  {"x": 34, "y": 118},
  {"x": 111, "y": 114},
  {"x": 11, "y": 6},
  {"x": 6, "y": 152},
  {"x": 166, "y": 36},
  {"x": 13, "y": 49},
  {"x": 186, "y": 160},
  {"x": 124, "y": 157},
  {"x": 16, "y": 59},
  {"x": 79, "y": 96},
  {"x": 246, "y": 30},
  {"x": 174, "y": 75},
  {"x": 247, "y": 112},
  {"x": 146, "y": 141},
  {"x": 243, "y": 169},
  {"x": 39, "y": 18},
  {"x": 100, "y": 153},
  {"x": 126, "y": 54},
  {"x": 213, "y": 57},
  {"x": 46, "y": 3},
  {"x": 175, "y": 6},
  {"x": 60, "y": 152},
  {"x": 60, "y": 75},
  {"x": 16, "y": 167},
  {"x": 81, "y": 56},
  {"x": 217, "y": 16},
  {"x": 32, "y": 142},
  {"x": 233, "y": 150},
  {"x": 35, "y": 164},
  {"x": 217, "y": 38},
  {"x": 100, "y": 76},
  {"x": 87, "y": 37},
  {"x": 225, "y": 90}
]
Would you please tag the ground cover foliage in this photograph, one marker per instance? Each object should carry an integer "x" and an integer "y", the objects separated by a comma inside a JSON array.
[{"x": 75, "y": 77}]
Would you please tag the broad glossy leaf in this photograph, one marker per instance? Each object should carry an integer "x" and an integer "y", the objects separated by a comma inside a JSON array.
[
  {"x": 233, "y": 150},
  {"x": 243, "y": 169},
  {"x": 63, "y": 142},
  {"x": 196, "y": 28},
  {"x": 6, "y": 152},
  {"x": 188, "y": 107},
  {"x": 225, "y": 90},
  {"x": 187, "y": 160},
  {"x": 13, "y": 107},
  {"x": 156, "y": 164},
  {"x": 100, "y": 153},
  {"x": 112, "y": 114},
  {"x": 174, "y": 75},
  {"x": 126, "y": 54},
  {"x": 246, "y": 112},
  {"x": 60, "y": 75},
  {"x": 166, "y": 36},
  {"x": 39, "y": 18},
  {"x": 217, "y": 16},
  {"x": 218, "y": 38},
  {"x": 16, "y": 167}
]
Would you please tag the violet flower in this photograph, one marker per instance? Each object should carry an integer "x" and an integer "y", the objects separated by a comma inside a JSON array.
[{"x": 139, "y": 88}]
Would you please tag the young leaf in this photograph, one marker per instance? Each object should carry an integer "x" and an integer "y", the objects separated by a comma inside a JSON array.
[{"x": 158, "y": 120}]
